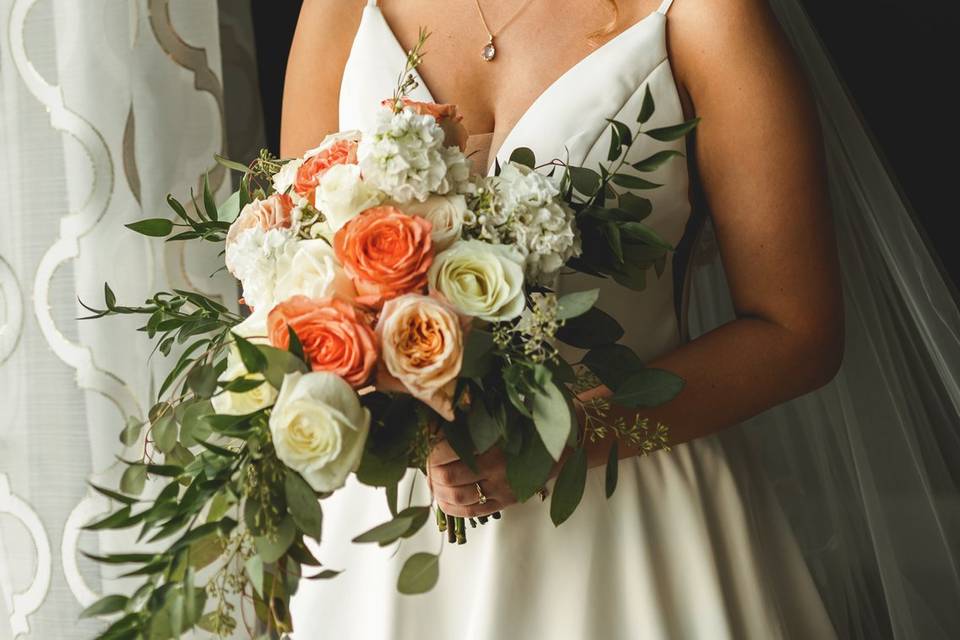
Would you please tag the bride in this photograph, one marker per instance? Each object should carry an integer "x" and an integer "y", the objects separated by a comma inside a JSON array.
[{"x": 693, "y": 544}]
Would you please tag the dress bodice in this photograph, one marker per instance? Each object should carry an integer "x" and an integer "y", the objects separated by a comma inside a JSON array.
[{"x": 569, "y": 120}]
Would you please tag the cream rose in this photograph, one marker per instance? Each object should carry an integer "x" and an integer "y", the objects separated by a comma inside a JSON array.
[
  {"x": 445, "y": 213},
  {"x": 313, "y": 271},
  {"x": 319, "y": 428},
  {"x": 284, "y": 179},
  {"x": 254, "y": 329},
  {"x": 479, "y": 279},
  {"x": 421, "y": 343},
  {"x": 342, "y": 194}
]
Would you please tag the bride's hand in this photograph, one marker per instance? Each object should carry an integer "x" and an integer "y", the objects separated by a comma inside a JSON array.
[{"x": 454, "y": 485}]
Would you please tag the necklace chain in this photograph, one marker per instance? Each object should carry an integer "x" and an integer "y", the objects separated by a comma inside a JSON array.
[
  {"x": 490, "y": 51},
  {"x": 516, "y": 14}
]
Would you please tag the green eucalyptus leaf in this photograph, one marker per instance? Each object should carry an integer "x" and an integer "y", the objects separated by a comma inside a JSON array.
[
  {"x": 303, "y": 505},
  {"x": 230, "y": 164},
  {"x": 612, "y": 233},
  {"x": 419, "y": 515},
  {"x": 648, "y": 388},
  {"x": 458, "y": 436},
  {"x": 657, "y": 160},
  {"x": 478, "y": 356},
  {"x": 131, "y": 431},
  {"x": 528, "y": 470},
  {"x": 623, "y": 132},
  {"x": 380, "y": 471},
  {"x": 484, "y": 428},
  {"x": 419, "y": 574},
  {"x": 279, "y": 364},
  {"x": 524, "y": 156},
  {"x": 648, "y": 108},
  {"x": 592, "y": 329},
  {"x": 586, "y": 181},
  {"x": 576, "y": 304},
  {"x": 164, "y": 432},
  {"x": 253, "y": 359},
  {"x": 384, "y": 534},
  {"x": 613, "y": 363},
  {"x": 272, "y": 546},
  {"x": 615, "y": 144},
  {"x": 643, "y": 233},
  {"x": 553, "y": 418},
  {"x": 113, "y": 495},
  {"x": 202, "y": 380},
  {"x": 638, "y": 208},
  {"x": 105, "y": 606},
  {"x": 676, "y": 132},
  {"x": 633, "y": 182},
  {"x": 568, "y": 489},
  {"x": 254, "y": 568},
  {"x": 153, "y": 227},
  {"x": 206, "y": 551},
  {"x": 613, "y": 469},
  {"x": 133, "y": 479},
  {"x": 209, "y": 204}
]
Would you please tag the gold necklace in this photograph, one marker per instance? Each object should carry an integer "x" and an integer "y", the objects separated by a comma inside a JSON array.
[{"x": 489, "y": 51}]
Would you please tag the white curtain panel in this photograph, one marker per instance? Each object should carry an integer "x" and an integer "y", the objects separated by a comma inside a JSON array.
[{"x": 106, "y": 106}]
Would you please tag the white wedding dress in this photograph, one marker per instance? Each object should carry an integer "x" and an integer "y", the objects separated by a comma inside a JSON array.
[{"x": 691, "y": 545}]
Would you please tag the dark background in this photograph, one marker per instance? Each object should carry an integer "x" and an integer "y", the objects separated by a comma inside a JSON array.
[{"x": 898, "y": 58}]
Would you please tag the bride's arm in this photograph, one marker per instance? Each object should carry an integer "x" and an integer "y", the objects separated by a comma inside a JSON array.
[
  {"x": 759, "y": 159},
  {"x": 318, "y": 54}
]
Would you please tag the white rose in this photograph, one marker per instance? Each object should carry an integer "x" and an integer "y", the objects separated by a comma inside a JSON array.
[
  {"x": 445, "y": 213},
  {"x": 284, "y": 179},
  {"x": 479, "y": 279},
  {"x": 253, "y": 328},
  {"x": 312, "y": 271},
  {"x": 242, "y": 403},
  {"x": 342, "y": 194},
  {"x": 319, "y": 428}
]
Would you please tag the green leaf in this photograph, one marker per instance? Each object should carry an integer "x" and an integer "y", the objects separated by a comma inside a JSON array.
[
  {"x": 478, "y": 355},
  {"x": 113, "y": 495},
  {"x": 326, "y": 574},
  {"x": 634, "y": 182},
  {"x": 552, "y": 418},
  {"x": 613, "y": 363},
  {"x": 230, "y": 164},
  {"x": 648, "y": 108},
  {"x": 419, "y": 574},
  {"x": 131, "y": 432},
  {"x": 586, "y": 181},
  {"x": 419, "y": 515},
  {"x": 676, "y": 132},
  {"x": 384, "y": 534},
  {"x": 524, "y": 156},
  {"x": 279, "y": 364},
  {"x": 209, "y": 204},
  {"x": 206, "y": 551},
  {"x": 592, "y": 329},
  {"x": 116, "y": 520},
  {"x": 303, "y": 505},
  {"x": 164, "y": 432},
  {"x": 623, "y": 132},
  {"x": 202, "y": 380},
  {"x": 484, "y": 428},
  {"x": 109, "y": 297},
  {"x": 576, "y": 304},
  {"x": 295, "y": 347},
  {"x": 253, "y": 359},
  {"x": 568, "y": 489},
  {"x": 272, "y": 547},
  {"x": 530, "y": 468},
  {"x": 230, "y": 209},
  {"x": 656, "y": 161},
  {"x": 637, "y": 207},
  {"x": 615, "y": 143},
  {"x": 153, "y": 227},
  {"x": 393, "y": 496},
  {"x": 133, "y": 479},
  {"x": 643, "y": 233},
  {"x": 254, "y": 569},
  {"x": 105, "y": 606},
  {"x": 381, "y": 471},
  {"x": 177, "y": 208},
  {"x": 648, "y": 388},
  {"x": 613, "y": 469},
  {"x": 612, "y": 233}
]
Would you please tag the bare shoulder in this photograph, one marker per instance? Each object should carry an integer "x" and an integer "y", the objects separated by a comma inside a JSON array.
[
  {"x": 715, "y": 41},
  {"x": 321, "y": 45}
]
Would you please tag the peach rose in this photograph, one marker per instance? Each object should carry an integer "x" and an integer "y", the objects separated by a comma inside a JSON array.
[
  {"x": 385, "y": 252},
  {"x": 447, "y": 116},
  {"x": 313, "y": 167},
  {"x": 422, "y": 350},
  {"x": 276, "y": 212},
  {"x": 334, "y": 334}
]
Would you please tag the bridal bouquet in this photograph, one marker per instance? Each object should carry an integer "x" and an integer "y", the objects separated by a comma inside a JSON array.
[{"x": 396, "y": 300}]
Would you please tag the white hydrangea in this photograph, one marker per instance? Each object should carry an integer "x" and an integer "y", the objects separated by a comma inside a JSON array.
[
  {"x": 404, "y": 156},
  {"x": 521, "y": 207},
  {"x": 256, "y": 258}
]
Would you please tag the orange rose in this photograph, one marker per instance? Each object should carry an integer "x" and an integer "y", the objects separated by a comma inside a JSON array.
[
  {"x": 447, "y": 116},
  {"x": 334, "y": 335},
  {"x": 422, "y": 350},
  {"x": 385, "y": 252},
  {"x": 313, "y": 168}
]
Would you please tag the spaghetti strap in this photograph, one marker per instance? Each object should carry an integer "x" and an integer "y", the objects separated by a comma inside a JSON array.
[
  {"x": 372, "y": 3},
  {"x": 662, "y": 10}
]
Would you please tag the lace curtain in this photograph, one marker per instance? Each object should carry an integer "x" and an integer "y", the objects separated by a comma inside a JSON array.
[{"x": 105, "y": 107}]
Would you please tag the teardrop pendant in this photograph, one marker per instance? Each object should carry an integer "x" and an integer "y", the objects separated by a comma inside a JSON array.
[{"x": 489, "y": 52}]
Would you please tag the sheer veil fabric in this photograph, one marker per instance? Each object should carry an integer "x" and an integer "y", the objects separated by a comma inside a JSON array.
[{"x": 867, "y": 468}]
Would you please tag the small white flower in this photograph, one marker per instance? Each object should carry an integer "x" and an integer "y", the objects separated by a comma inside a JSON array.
[
  {"x": 445, "y": 214},
  {"x": 312, "y": 271},
  {"x": 404, "y": 157},
  {"x": 255, "y": 257},
  {"x": 319, "y": 428},
  {"x": 342, "y": 194}
]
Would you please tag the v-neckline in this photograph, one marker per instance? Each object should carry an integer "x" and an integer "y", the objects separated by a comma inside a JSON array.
[{"x": 493, "y": 156}]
